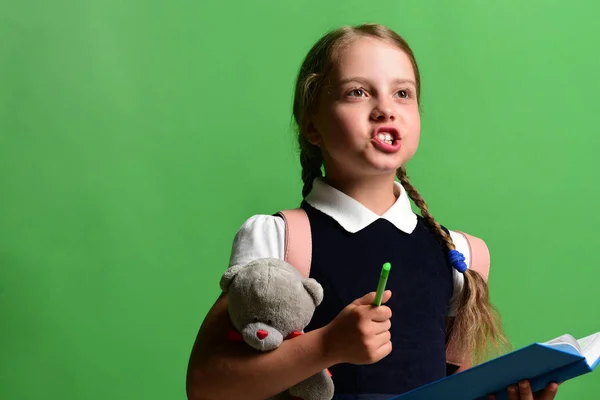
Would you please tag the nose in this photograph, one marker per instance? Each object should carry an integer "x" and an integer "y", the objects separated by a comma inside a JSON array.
[
  {"x": 382, "y": 113},
  {"x": 261, "y": 334}
]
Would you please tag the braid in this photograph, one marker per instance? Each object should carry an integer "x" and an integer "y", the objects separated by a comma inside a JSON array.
[
  {"x": 420, "y": 202},
  {"x": 311, "y": 160},
  {"x": 477, "y": 319}
]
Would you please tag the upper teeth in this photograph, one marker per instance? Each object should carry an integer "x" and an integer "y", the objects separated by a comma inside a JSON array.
[{"x": 386, "y": 137}]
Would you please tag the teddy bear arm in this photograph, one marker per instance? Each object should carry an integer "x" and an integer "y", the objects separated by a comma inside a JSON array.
[{"x": 316, "y": 387}]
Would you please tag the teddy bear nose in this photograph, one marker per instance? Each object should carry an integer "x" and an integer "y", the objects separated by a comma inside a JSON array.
[{"x": 261, "y": 334}]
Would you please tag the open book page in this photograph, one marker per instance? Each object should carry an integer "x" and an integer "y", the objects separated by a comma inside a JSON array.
[
  {"x": 590, "y": 348},
  {"x": 567, "y": 343}
]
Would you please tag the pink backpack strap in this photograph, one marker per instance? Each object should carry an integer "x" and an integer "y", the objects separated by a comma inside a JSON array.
[
  {"x": 480, "y": 255},
  {"x": 479, "y": 262},
  {"x": 298, "y": 240}
]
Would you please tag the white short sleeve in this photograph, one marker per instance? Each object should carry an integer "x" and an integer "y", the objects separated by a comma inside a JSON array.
[
  {"x": 459, "y": 279},
  {"x": 260, "y": 236}
]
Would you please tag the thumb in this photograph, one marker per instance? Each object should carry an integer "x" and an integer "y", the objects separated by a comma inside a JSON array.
[{"x": 369, "y": 298}]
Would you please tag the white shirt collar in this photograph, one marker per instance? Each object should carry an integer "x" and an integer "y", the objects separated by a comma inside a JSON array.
[{"x": 353, "y": 216}]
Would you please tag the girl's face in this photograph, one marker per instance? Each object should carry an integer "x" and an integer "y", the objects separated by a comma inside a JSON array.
[{"x": 367, "y": 122}]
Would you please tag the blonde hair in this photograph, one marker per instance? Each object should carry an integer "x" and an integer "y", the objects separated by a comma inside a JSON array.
[{"x": 477, "y": 324}]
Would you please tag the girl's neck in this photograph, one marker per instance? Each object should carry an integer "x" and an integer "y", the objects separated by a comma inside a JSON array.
[{"x": 374, "y": 192}]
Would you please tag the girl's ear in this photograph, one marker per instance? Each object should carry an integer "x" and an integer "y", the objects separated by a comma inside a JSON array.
[{"x": 311, "y": 134}]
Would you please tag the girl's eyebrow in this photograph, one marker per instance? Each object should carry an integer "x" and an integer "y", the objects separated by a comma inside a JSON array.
[{"x": 364, "y": 81}]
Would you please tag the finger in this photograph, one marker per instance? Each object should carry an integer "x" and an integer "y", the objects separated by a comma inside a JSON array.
[
  {"x": 513, "y": 392},
  {"x": 380, "y": 314},
  {"x": 549, "y": 393},
  {"x": 384, "y": 350},
  {"x": 383, "y": 338},
  {"x": 386, "y": 296},
  {"x": 525, "y": 391},
  {"x": 382, "y": 327},
  {"x": 366, "y": 300},
  {"x": 369, "y": 298}
]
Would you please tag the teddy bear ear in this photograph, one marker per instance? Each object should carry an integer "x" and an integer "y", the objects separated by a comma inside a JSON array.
[
  {"x": 315, "y": 290},
  {"x": 228, "y": 277}
]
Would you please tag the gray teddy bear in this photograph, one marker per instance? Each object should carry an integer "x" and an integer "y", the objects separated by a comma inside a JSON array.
[{"x": 269, "y": 302}]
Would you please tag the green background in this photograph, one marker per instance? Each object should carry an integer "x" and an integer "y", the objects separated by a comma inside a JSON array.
[{"x": 136, "y": 137}]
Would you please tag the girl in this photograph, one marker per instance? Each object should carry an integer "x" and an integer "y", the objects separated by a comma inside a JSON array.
[{"x": 357, "y": 110}]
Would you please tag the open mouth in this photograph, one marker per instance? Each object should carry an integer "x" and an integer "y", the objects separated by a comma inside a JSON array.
[
  {"x": 387, "y": 138},
  {"x": 387, "y": 134}
]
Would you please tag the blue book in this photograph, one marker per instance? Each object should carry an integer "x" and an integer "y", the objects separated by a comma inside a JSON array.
[{"x": 557, "y": 360}]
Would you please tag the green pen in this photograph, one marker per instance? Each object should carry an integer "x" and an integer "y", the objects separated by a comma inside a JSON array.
[{"x": 385, "y": 271}]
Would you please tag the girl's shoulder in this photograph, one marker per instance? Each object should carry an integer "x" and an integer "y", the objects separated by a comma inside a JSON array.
[
  {"x": 259, "y": 236},
  {"x": 458, "y": 238},
  {"x": 464, "y": 244},
  {"x": 258, "y": 223}
]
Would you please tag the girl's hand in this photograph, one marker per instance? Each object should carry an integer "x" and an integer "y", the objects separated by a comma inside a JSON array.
[
  {"x": 360, "y": 334},
  {"x": 522, "y": 391}
]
